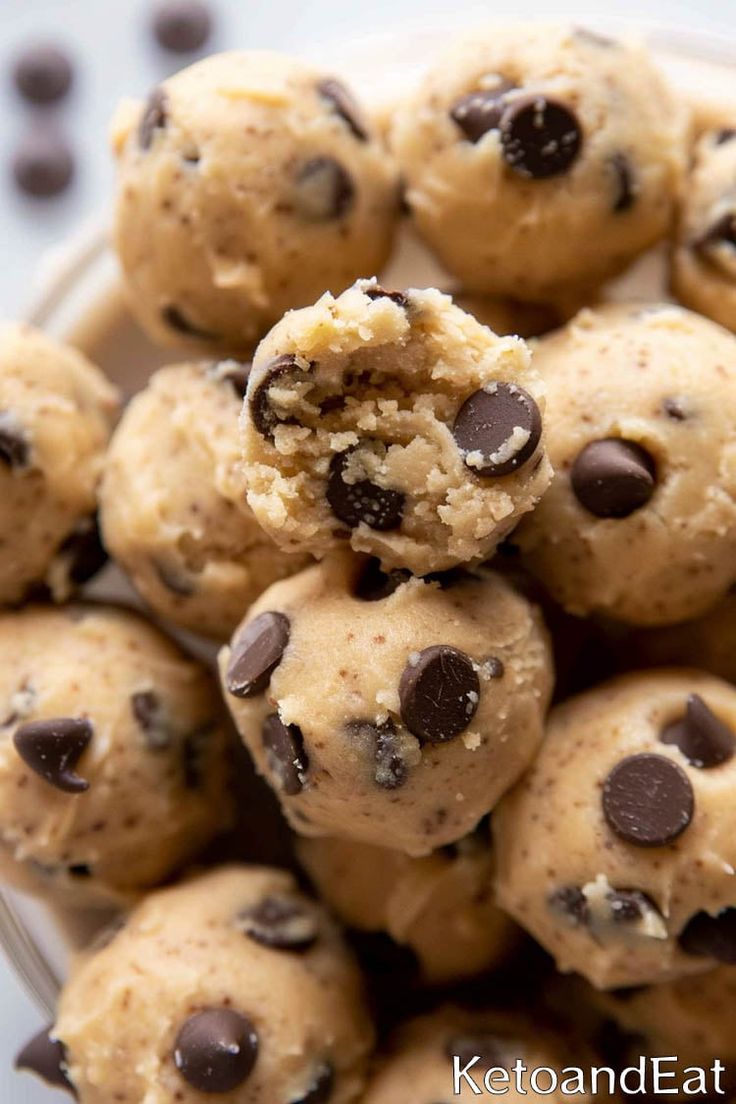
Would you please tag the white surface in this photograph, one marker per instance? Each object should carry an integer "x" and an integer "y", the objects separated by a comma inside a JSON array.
[{"x": 115, "y": 57}]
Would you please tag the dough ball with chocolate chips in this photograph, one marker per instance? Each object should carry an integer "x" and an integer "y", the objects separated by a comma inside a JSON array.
[
  {"x": 394, "y": 421},
  {"x": 704, "y": 257},
  {"x": 173, "y": 506},
  {"x": 248, "y": 184},
  {"x": 232, "y": 986},
  {"x": 56, "y": 415},
  {"x": 617, "y": 849},
  {"x": 539, "y": 160},
  {"x": 440, "y": 906},
  {"x": 385, "y": 709},
  {"x": 113, "y": 757},
  {"x": 640, "y": 520}
]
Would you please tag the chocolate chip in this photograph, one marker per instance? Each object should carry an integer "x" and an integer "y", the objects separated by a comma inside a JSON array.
[
  {"x": 674, "y": 408},
  {"x": 234, "y": 372},
  {"x": 320, "y": 1088},
  {"x": 194, "y": 749},
  {"x": 83, "y": 551},
  {"x": 14, "y": 447},
  {"x": 43, "y": 73},
  {"x": 391, "y": 769},
  {"x": 174, "y": 317},
  {"x": 722, "y": 232},
  {"x": 484, "y": 1046},
  {"x": 324, "y": 190},
  {"x": 343, "y": 104},
  {"x": 362, "y": 501},
  {"x": 439, "y": 693},
  {"x": 629, "y": 905},
  {"x": 702, "y": 737},
  {"x": 255, "y": 653},
  {"x": 540, "y": 137},
  {"x": 497, "y": 429},
  {"x": 279, "y": 371},
  {"x": 725, "y": 134},
  {"x": 280, "y": 923},
  {"x": 215, "y": 1050},
  {"x": 570, "y": 902},
  {"x": 155, "y": 117},
  {"x": 373, "y": 584},
  {"x": 494, "y": 667},
  {"x": 149, "y": 712},
  {"x": 478, "y": 112},
  {"x": 43, "y": 165},
  {"x": 711, "y": 936},
  {"x": 625, "y": 192},
  {"x": 648, "y": 800},
  {"x": 173, "y": 578},
  {"x": 80, "y": 870},
  {"x": 612, "y": 478},
  {"x": 287, "y": 759},
  {"x": 46, "y": 1057},
  {"x": 375, "y": 291},
  {"x": 52, "y": 748},
  {"x": 182, "y": 25}
]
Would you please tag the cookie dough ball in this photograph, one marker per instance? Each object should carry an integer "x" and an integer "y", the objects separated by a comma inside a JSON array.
[
  {"x": 113, "y": 753},
  {"x": 539, "y": 159},
  {"x": 232, "y": 985},
  {"x": 640, "y": 520},
  {"x": 704, "y": 258},
  {"x": 617, "y": 849},
  {"x": 56, "y": 415},
  {"x": 440, "y": 906},
  {"x": 173, "y": 505},
  {"x": 389, "y": 710},
  {"x": 394, "y": 421},
  {"x": 708, "y": 642},
  {"x": 248, "y": 184},
  {"x": 509, "y": 316}
]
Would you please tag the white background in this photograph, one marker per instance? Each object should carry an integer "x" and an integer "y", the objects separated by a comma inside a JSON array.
[{"x": 114, "y": 57}]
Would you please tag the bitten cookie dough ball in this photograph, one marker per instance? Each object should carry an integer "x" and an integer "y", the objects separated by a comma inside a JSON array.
[
  {"x": 113, "y": 753},
  {"x": 56, "y": 415},
  {"x": 617, "y": 849},
  {"x": 173, "y": 506},
  {"x": 388, "y": 710},
  {"x": 640, "y": 520},
  {"x": 248, "y": 184},
  {"x": 440, "y": 906},
  {"x": 394, "y": 421},
  {"x": 539, "y": 159},
  {"x": 704, "y": 258},
  {"x": 233, "y": 985}
]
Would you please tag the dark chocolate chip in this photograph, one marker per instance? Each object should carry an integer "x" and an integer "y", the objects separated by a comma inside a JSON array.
[
  {"x": 674, "y": 408},
  {"x": 234, "y": 372},
  {"x": 629, "y": 905},
  {"x": 215, "y": 1050},
  {"x": 625, "y": 189},
  {"x": 391, "y": 770},
  {"x": 722, "y": 232},
  {"x": 174, "y": 317},
  {"x": 14, "y": 447},
  {"x": 343, "y": 104},
  {"x": 83, "y": 551},
  {"x": 648, "y": 800},
  {"x": 613, "y": 478},
  {"x": 194, "y": 749},
  {"x": 46, "y": 1057},
  {"x": 478, "y": 112},
  {"x": 725, "y": 134},
  {"x": 43, "y": 165},
  {"x": 373, "y": 584},
  {"x": 149, "y": 712},
  {"x": 487, "y": 1048},
  {"x": 570, "y": 902},
  {"x": 52, "y": 748},
  {"x": 279, "y": 371},
  {"x": 711, "y": 936},
  {"x": 280, "y": 923},
  {"x": 439, "y": 693},
  {"x": 362, "y": 502},
  {"x": 173, "y": 578},
  {"x": 375, "y": 291},
  {"x": 80, "y": 870},
  {"x": 287, "y": 759},
  {"x": 320, "y": 1087},
  {"x": 540, "y": 137},
  {"x": 702, "y": 737},
  {"x": 494, "y": 667},
  {"x": 498, "y": 428},
  {"x": 182, "y": 25},
  {"x": 155, "y": 117},
  {"x": 324, "y": 190},
  {"x": 255, "y": 653},
  {"x": 43, "y": 73}
]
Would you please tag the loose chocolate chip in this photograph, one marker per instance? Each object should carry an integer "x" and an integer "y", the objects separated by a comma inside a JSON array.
[
  {"x": 629, "y": 905},
  {"x": 725, "y": 134},
  {"x": 362, "y": 502},
  {"x": 625, "y": 191},
  {"x": 373, "y": 584},
  {"x": 215, "y": 1050},
  {"x": 280, "y": 370},
  {"x": 149, "y": 712},
  {"x": 702, "y": 737},
  {"x": 173, "y": 578},
  {"x": 43, "y": 73},
  {"x": 675, "y": 409},
  {"x": 255, "y": 653},
  {"x": 648, "y": 800},
  {"x": 711, "y": 936},
  {"x": 324, "y": 190},
  {"x": 287, "y": 759},
  {"x": 439, "y": 693},
  {"x": 155, "y": 117},
  {"x": 375, "y": 291},
  {"x": 484, "y": 1046},
  {"x": 570, "y": 902},
  {"x": 46, "y": 1057},
  {"x": 280, "y": 923},
  {"x": 343, "y": 104},
  {"x": 14, "y": 447},
  {"x": 540, "y": 137},
  {"x": 497, "y": 429},
  {"x": 83, "y": 551},
  {"x": 43, "y": 165},
  {"x": 480, "y": 111},
  {"x": 320, "y": 1088},
  {"x": 52, "y": 748},
  {"x": 613, "y": 478},
  {"x": 182, "y": 25},
  {"x": 173, "y": 316}
]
